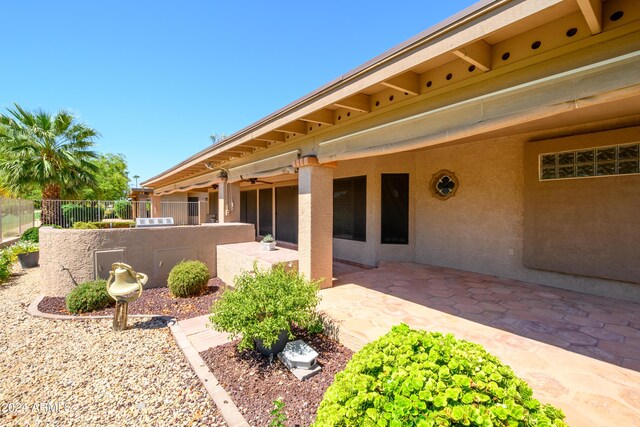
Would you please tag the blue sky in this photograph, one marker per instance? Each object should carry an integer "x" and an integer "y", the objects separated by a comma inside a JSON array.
[{"x": 156, "y": 78}]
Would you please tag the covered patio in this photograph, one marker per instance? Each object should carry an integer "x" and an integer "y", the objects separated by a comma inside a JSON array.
[{"x": 579, "y": 352}]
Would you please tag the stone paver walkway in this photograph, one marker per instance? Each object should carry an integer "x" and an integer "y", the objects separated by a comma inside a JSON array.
[{"x": 577, "y": 351}]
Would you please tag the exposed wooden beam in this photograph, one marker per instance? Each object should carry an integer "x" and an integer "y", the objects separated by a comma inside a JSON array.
[
  {"x": 408, "y": 82},
  {"x": 293, "y": 127},
  {"x": 592, "y": 11},
  {"x": 256, "y": 144},
  {"x": 242, "y": 149},
  {"x": 323, "y": 116},
  {"x": 270, "y": 136},
  {"x": 478, "y": 54},
  {"x": 358, "y": 102}
]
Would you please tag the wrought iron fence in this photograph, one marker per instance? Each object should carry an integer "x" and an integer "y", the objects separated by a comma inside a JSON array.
[
  {"x": 65, "y": 213},
  {"x": 16, "y": 215}
]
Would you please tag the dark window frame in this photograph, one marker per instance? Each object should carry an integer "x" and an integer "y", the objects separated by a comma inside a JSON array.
[
  {"x": 394, "y": 208},
  {"x": 351, "y": 222}
]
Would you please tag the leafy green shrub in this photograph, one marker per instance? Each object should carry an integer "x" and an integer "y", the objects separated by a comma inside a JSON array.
[
  {"x": 6, "y": 259},
  {"x": 73, "y": 212},
  {"x": 24, "y": 247},
  {"x": 84, "y": 225},
  {"x": 264, "y": 303},
  {"x": 89, "y": 296},
  {"x": 410, "y": 377},
  {"x": 188, "y": 278},
  {"x": 122, "y": 209},
  {"x": 31, "y": 235}
]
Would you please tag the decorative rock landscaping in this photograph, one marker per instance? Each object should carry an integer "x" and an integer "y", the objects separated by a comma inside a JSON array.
[{"x": 83, "y": 373}]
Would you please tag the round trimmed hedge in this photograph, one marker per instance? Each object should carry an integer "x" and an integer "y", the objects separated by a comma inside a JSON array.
[
  {"x": 416, "y": 378},
  {"x": 89, "y": 296},
  {"x": 188, "y": 278}
]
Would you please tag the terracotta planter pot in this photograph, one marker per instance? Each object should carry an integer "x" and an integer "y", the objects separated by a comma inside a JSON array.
[
  {"x": 29, "y": 260},
  {"x": 277, "y": 347}
]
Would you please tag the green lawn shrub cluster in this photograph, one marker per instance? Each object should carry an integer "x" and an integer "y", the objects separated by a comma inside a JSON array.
[
  {"x": 263, "y": 303},
  {"x": 188, "y": 278},
  {"x": 31, "y": 235},
  {"x": 100, "y": 225},
  {"x": 6, "y": 260},
  {"x": 417, "y": 378},
  {"x": 89, "y": 296}
]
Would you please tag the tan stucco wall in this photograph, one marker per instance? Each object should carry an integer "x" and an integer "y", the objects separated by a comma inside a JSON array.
[
  {"x": 372, "y": 251},
  {"x": 479, "y": 229},
  {"x": 144, "y": 248},
  {"x": 586, "y": 226}
]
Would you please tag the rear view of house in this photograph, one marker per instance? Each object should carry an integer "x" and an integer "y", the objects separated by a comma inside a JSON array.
[{"x": 504, "y": 140}]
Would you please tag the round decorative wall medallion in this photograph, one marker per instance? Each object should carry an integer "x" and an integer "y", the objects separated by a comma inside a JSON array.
[{"x": 444, "y": 184}]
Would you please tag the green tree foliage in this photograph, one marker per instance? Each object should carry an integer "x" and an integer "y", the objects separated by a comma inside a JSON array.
[
  {"x": 49, "y": 152},
  {"x": 40, "y": 150},
  {"x": 112, "y": 178}
]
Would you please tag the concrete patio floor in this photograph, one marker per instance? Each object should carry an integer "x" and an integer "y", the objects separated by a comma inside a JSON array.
[{"x": 578, "y": 352}]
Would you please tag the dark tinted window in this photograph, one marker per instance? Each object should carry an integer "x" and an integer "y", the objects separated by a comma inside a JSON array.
[
  {"x": 350, "y": 208},
  {"x": 249, "y": 207},
  {"x": 395, "y": 208},
  {"x": 266, "y": 212}
]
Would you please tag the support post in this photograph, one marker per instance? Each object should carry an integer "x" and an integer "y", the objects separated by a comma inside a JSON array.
[
  {"x": 156, "y": 207},
  {"x": 228, "y": 202},
  {"x": 120, "y": 316},
  {"x": 315, "y": 220}
]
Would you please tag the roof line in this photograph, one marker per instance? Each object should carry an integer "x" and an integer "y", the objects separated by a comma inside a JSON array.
[{"x": 437, "y": 30}]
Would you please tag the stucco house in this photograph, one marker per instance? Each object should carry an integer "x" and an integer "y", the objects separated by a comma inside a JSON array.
[{"x": 504, "y": 140}]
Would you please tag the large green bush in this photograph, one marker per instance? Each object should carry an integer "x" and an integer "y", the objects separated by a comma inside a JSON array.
[
  {"x": 73, "y": 212},
  {"x": 89, "y": 296},
  {"x": 188, "y": 278},
  {"x": 416, "y": 378},
  {"x": 264, "y": 303},
  {"x": 31, "y": 235},
  {"x": 122, "y": 209}
]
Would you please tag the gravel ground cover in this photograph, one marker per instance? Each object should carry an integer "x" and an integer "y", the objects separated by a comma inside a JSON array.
[
  {"x": 152, "y": 301},
  {"x": 83, "y": 373},
  {"x": 254, "y": 383}
]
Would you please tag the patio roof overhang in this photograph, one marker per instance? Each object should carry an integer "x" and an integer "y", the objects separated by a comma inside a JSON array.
[{"x": 472, "y": 46}]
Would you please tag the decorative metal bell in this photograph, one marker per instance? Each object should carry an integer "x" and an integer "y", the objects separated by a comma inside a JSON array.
[{"x": 124, "y": 285}]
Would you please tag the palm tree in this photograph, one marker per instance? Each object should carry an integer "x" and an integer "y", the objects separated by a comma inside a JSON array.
[
  {"x": 48, "y": 152},
  {"x": 136, "y": 178}
]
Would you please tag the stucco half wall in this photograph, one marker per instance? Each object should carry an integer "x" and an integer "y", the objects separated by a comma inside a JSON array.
[{"x": 68, "y": 255}]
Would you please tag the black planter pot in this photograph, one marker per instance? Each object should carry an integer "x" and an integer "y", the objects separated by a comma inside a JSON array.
[
  {"x": 29, "y": 260},
  {"x": 277, "y": 347}
]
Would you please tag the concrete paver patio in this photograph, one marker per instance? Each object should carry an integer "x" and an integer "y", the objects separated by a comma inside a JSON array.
[{"x": 579, "y": 352}]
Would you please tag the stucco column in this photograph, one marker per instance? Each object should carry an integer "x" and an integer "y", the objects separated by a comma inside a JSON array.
[
  {"x": 229, "y": 202},
  {"x": 156, "y": 208},
  {"x": 315, "y": 220}
]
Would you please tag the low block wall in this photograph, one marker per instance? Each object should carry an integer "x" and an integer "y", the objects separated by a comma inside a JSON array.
[
  {"x": 86, "y": 254},
  {"x": 235, "y": 258}
]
